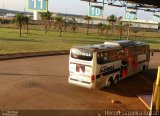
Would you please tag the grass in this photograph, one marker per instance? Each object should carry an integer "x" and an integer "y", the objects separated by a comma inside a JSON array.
[{"x": 37, "y": 41}]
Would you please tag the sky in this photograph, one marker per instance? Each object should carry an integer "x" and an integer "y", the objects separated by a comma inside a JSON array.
[{"x": 71, "y": 7}]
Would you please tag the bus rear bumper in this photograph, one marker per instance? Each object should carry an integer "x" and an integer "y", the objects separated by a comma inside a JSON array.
[{"x": 82, "y": 84}]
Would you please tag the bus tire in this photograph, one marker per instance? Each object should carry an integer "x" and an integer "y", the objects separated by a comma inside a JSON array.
[
  {"x": 109, "y": 82},
  {"x": 116, "y": 79},
  {"x": 143, "y": 68}
]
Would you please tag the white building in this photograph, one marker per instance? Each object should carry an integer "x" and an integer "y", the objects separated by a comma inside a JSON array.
[
  {"x": 9, "y": 15},
  {"x": 142, "y": 24}
]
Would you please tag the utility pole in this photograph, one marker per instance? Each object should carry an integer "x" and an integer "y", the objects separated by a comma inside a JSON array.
[
  {"x": 155, "y": 101},
  {"x": 47, "y": 4},
  {"x": 103, "y": 10},
  {"x": 3, "y": 11},
  {"x": 66, "y": 12}
]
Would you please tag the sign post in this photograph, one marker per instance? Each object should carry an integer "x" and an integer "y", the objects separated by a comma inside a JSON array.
[
  {"x": 130, "y": 14},
  {"x": 155, "y": 103},
  {"x": 95, "y": 11},
  {"x": 37, "y": 6}
]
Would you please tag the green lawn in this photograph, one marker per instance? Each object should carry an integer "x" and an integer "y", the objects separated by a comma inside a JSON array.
[{"x": 36, "y": 41}]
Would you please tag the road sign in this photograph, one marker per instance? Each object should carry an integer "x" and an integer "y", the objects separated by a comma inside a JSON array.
[
  {"x": 156, "y": 17},
  {"x": 95, "y": 11},
  {"x": 38, "y": 5},
  {"x": 131, "y": 14}
]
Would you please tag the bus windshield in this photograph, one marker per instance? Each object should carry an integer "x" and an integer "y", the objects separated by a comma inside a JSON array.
[{"x": 82, "y": 54}]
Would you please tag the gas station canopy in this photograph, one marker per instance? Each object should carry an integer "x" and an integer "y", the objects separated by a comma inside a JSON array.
[
  {"x": 155, "y": 3},
  {"x": 142, "y": 3}
]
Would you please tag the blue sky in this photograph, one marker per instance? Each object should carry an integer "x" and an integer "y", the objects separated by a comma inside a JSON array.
[{"x": 72, "y": 7}]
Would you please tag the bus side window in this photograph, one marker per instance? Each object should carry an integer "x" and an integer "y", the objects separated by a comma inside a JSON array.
[
  {"x": 101, "y": 58},
  {"x": 114, "y": 55}
]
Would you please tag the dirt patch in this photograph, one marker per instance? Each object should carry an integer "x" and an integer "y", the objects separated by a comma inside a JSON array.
[{"x": 32, "y": 84}]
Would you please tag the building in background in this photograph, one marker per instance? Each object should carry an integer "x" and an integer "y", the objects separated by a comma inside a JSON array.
[
  {"x": 80, "y": 18},
  {"x": 143, "y": 24}
]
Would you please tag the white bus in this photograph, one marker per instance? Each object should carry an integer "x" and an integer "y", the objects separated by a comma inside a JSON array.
[{"x": 96, "y": 66}]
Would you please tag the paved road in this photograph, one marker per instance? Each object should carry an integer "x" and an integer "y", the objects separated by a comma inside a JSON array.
[{"x": 41, "y": 83}]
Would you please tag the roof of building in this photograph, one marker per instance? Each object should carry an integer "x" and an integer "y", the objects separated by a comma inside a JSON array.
[{"x": 155, "y": 3}]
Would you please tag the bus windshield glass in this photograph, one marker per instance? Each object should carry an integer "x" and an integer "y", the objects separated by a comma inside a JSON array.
[{"x": 82, "y": 54}]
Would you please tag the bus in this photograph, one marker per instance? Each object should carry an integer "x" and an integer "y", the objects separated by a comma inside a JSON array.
[{"x": 97, "y": 66}]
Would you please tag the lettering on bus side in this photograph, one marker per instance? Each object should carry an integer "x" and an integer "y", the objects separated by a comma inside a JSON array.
[{"x": 106, "y": 69}]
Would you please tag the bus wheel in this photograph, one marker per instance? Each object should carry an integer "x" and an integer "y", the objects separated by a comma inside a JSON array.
[
  {"x": 109, "y": 82},
  {"x": 116, "y": 79},
  {"x": 143, "y": 68}
]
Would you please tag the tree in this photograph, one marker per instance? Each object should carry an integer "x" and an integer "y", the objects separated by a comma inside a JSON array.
[
  {"x": 20, "y": 21},
  {"x": 100, "y": 28},
  {"x": 74, "y": 27},
  {"x": 135, "y": 31},
  {"x": 128, "y": 26},
  {"x": 120, "y": 27},
  {"x": 59, "y": 21},
  {"x": 65, "y": 24},
  {"x": 106, "y": 27},
  {"x": 26, "y": 22},
  {"x": 158, "y": 25},
  {"x": 112, "y": 19},
  {"x": 88, "y": 19},
  {"x": 46, "y": 17}
]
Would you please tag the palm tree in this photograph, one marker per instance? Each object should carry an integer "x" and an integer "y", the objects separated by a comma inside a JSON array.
[
  {"x": 158, "y": 25},
  {"x": 100, "y": 28},
  {"x": 74, "y": 27},
  {"x": 128, "y": 26},
  {"x": 120, "y": 27},
  {"x": 65, "y": 24},
  {"x": 46, "y": 17},
  {"x": 107, "y": 27},
  {"x": 135, "y": 31},
  {"x": 26, "y": 22},
  {"x": 59, "y": 21},
  {"x": 19, "y": 21},
  {"x": 88, "y": 19},
  {"x": 112, "y": 19}
]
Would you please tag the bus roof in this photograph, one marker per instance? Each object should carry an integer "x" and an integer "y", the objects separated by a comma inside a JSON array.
[
  {"x": 112, "y": 45},
  {"x": 126, "y": 43}
]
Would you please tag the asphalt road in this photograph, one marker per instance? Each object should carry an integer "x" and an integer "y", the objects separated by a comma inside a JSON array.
[{"x": 41, "y": 84}]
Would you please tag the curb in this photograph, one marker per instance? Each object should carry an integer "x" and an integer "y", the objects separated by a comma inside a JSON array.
[
  {"x": 155, "y": 50},
  {"x": 33, "y": 54},
  {"x": 41, "y": 54}
]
